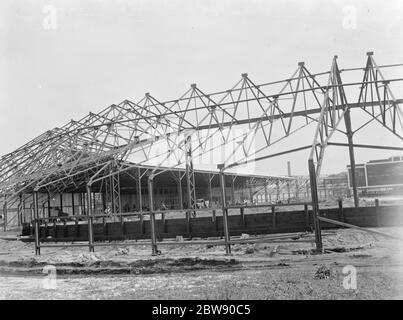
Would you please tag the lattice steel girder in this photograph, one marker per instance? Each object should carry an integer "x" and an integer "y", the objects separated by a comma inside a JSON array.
[{"x": 60, "y": 155}]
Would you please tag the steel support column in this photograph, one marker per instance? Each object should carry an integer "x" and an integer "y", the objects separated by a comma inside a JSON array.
[
  {"x": 82, "y": 204},
  {"x": 140, "y": 203},
  {"x": 94, "y": 202},
  {"x": 72, "y": 204},
  {"x": 90, "y": 226},
  {"x": 315, "y": 205},
  {"x": 23, "y": 209},
  {"x": 180, "y": 191},
  {"x": 224, "y": 212},
  {"x": 349, "y": 131},
  {"x": 61, "y": 202},
  {"x": 152, "y": 216},
  {"x": 36, "y": 221},
  {"x": 19, "y": 211}
]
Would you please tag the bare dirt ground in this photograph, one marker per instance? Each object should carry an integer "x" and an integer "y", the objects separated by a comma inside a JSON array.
[{"x": 276, "y": 270}]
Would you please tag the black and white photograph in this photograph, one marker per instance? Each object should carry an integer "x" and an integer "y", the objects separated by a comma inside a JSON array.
[{"x": 200, "y": 154}]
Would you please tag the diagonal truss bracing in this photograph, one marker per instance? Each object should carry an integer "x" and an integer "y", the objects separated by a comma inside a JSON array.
[{"x": 242, "y": 124}]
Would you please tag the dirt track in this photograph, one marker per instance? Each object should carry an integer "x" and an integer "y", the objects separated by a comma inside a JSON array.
[{"x": 260, "y": 271}]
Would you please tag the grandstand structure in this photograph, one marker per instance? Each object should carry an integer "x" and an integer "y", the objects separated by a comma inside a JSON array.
[{"x": 247, "y": 123}]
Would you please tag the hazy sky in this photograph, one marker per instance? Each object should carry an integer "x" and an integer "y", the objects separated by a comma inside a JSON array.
[{"x": 102, "y": 52}]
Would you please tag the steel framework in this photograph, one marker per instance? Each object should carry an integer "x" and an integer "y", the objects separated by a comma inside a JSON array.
[{"x": 244, "y": 123}]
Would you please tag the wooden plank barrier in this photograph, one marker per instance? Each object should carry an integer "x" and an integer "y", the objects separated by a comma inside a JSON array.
[{"x": 268, "y": 222}]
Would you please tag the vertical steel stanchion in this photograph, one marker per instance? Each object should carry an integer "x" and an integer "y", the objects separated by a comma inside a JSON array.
[
  {"x": 139, "y": 191},
  {"x": 73, "y": 209},
  {"x": 224, "y": 211},
  {"x": 36, "y": 221},
  {"x": 61, "y": 202},
  {"x": 5, "y": 213},
  {"x": 90, "y": 226},
  {"x": 152, "y": 215},
  {"x": 315, "y": 205},
  {"x": 19, "y": 214},
  {"x": 23, "y": 210}
]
